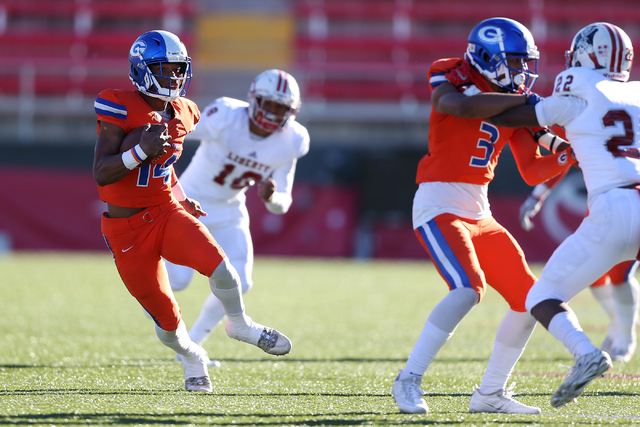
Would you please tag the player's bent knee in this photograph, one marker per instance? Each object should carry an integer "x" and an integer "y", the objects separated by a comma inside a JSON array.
[
  {"x": 225, "y": 276},
  {"x": 539, "y": 292},
  {"x": 546, "y": 310}
]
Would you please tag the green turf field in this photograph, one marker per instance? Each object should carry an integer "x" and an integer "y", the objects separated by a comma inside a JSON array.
[{"x": 76, "y": 349}]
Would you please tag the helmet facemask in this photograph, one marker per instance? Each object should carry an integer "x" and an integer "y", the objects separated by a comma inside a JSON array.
[
  {"x": 516, "y": 79},
  {"x": 179, "y": 85},
  {"x": 267, "y": 120}
]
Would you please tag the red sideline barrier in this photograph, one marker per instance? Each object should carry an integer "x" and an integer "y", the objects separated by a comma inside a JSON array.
[
  {"x": 60, "y": 210},
  {"x": 50, "y": 210},
  {"x": 321, "y": 222}
]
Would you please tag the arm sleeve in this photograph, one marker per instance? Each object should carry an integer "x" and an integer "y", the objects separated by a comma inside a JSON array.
[
  {"x": 282, "y": 198},
  {"x": 559, "y": 109},
  {"x": 533, "y": 166}
]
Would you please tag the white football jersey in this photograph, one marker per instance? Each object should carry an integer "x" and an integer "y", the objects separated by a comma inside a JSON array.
[
  {"x": 230, "y": 159},
  {"x": 601, "y": 118}
]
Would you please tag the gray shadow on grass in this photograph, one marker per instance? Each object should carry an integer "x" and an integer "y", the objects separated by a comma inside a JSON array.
[{"x": 360, "y": 418}]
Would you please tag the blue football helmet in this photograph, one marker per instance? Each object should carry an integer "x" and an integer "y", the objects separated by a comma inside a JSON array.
[
  {"x": 495, "y": 40},
  {"x": 157, "y": 47}
]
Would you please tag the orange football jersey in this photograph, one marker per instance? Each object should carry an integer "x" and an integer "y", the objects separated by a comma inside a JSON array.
[
  {"x": 467, "y": 150},
  {"x": 147, "y": 185},
  {"x": 461, "y": 150}
]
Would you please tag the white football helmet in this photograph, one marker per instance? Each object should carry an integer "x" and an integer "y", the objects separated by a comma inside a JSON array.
[
  {"x": 277, "y": 86},
  {"x": 603, "y": 47}
]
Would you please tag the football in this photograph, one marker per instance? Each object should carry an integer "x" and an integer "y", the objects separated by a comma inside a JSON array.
[{"x": 133, "y": 138}]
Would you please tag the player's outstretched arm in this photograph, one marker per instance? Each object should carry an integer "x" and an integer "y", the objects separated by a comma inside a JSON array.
[
  {"x": 520, "y": 116},
  {"x": 447, "y": 100}
]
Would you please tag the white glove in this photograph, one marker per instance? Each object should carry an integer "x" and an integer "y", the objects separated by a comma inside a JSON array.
[{"x": 528, "y": 210}]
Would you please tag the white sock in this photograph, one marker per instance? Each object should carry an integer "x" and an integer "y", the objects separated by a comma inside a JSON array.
[
  {"x": 625, "y": 296},
  {"x": 425, "y": 350},
  {"x": 604, "y": 295},
  {"x": 565, "y": 327},
  {"x": 511, "y": 339},
  {"x": 180, "y": 342},
  {"x": 209, "y": 318},
  {"x": 439, "y": 327},
  {"x": 501, "y": 363}
]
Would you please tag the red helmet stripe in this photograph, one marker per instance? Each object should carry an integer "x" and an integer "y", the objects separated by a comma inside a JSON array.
[
  {"x": 279, "y": 81},
  {"x": 620, "y": 48},
  {"x": 616, "y": 48}
]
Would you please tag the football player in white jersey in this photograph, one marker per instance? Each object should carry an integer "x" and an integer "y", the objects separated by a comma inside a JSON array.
[
  {"x": 618, "y": 291},
  {"x": 242, "y": 144},
  {"x": 600, "y": 111}
]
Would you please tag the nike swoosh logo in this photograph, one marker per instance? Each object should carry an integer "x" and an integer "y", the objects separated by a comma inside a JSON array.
[{"x": 125, "y": 250}]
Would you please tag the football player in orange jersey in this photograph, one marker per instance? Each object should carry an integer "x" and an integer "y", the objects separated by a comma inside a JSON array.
[
  {"x": 451, "y": 214},
  {"x": 149, "y": 216}
]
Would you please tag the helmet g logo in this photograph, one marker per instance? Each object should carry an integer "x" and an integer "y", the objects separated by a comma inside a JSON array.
[
  {"x": 138, "y": 48},
  {"x": 491, "y": 34}
]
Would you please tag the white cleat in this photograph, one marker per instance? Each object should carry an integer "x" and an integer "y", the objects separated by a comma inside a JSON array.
[
  {"x": 499, "y": 402},
  {"x": 195, "y": 369},
  {"x": 587, "y": 368},
  {"x": 622, "y": 352},
  {"x": 198, "y": 384},
  {"x": 408, "y": 395},
  {"x": 268, "y": 339}
]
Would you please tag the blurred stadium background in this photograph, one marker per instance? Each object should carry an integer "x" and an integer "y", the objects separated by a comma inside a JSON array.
[{"x": 361, "y": 65}]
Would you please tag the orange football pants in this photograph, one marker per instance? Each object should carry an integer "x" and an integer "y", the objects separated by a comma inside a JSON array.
[
  {"x": 617, "y": 275},
  {"x": 474, "y": 253},
  {"x": 138, "y": 243}
]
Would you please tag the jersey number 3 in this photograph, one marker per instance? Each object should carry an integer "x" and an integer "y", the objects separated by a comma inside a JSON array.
[{"x": 486, "y": 145}]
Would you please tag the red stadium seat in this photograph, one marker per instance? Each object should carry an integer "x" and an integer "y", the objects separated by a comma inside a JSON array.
[
  {"x": 66, "y": 47},
  {"x": 381, "y": 49}
]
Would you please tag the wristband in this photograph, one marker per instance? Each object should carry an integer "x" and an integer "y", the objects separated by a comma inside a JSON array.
[
  {"x": 132, "y": 158},
  {"x": 549, "y": 141},
  {"x": 537, "y": 135}
]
